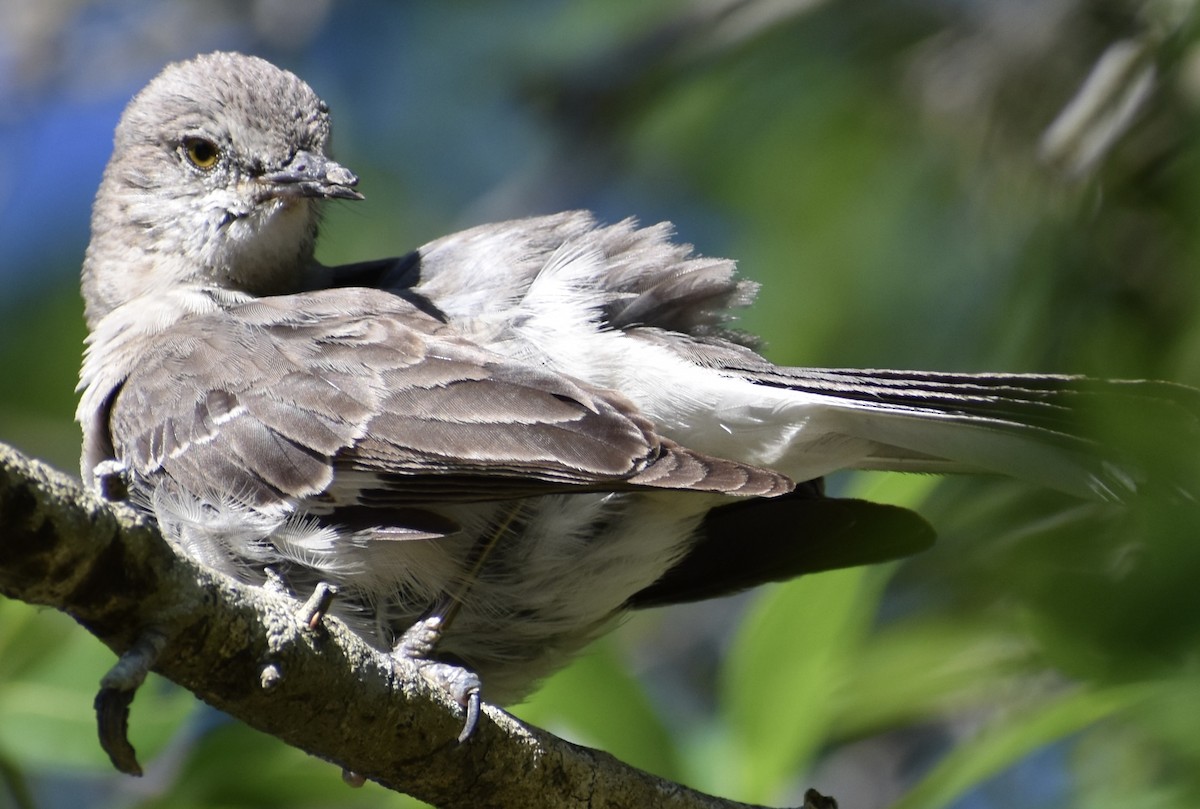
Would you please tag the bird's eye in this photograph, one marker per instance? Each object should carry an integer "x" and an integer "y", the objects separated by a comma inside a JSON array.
[{"x": 201, "y": 152}]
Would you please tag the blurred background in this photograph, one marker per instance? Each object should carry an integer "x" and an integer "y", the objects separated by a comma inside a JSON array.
[{"x": 950, "y": 184}]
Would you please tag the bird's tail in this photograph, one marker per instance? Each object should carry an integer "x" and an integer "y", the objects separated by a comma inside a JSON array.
[{"x": 1094, "y": 438}]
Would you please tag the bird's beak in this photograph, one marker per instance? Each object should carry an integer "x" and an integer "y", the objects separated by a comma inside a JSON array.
[{"x": 313, "y": 175}]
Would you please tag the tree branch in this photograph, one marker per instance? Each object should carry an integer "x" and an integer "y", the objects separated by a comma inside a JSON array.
[{"x": 244, "y": 650}]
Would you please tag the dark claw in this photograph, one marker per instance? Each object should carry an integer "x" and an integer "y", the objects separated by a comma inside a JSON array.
[
  {"x": 112, "y": 722},
  {"x": 463, "y": 685},
  {"x": 473, "y": 705},
  {"x": 117, "y": 689}
]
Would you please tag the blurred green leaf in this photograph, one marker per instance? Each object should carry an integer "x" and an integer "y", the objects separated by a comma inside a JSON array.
[
  {"x": 1149, "y": 758},
  {"x": 595, "y": 701},
  {"x": 235, "y": 767},
  {"x": 785, "y": 668},
  {"x": 922, "y": 668},
  {"x": 1011, "y": 737},
  {"x": 787, "y": 673},
  {"x": 29, "y": 635},
  {"x": 41, "y": 347},
  {"x": 47, "y": 704}
]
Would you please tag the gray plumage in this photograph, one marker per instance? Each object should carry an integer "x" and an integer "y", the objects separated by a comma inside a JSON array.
[{"x": 559, "y": 404}]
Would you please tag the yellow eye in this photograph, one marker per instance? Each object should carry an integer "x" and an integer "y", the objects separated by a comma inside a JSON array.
[{"x": 202, "y": 153}]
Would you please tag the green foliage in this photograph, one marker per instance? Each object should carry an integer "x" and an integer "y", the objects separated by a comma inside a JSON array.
[
  {"x": 785, "y": 673},
  {"x": 232, "y": 766},
  {"x": 1011, "y": 738},
  {"x": 597, "y": 702}
]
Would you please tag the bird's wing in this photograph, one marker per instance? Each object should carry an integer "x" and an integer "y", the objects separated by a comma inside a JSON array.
[{"x": 355, "y": 397}]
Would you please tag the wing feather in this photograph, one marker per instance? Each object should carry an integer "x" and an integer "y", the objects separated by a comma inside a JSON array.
[{"x": 267, "y": 402}]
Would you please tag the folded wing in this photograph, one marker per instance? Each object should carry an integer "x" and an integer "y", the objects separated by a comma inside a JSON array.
[{"x": 353, "y": 397}]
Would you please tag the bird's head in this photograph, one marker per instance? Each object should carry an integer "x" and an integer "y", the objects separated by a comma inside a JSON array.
[{"x": 215, "y": 180}]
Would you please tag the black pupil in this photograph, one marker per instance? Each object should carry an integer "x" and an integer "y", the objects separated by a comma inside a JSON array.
[{"x": 202, "y": 151}]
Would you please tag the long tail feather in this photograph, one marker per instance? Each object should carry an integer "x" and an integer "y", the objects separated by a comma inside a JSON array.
[{"x": 1080, "y": 435}]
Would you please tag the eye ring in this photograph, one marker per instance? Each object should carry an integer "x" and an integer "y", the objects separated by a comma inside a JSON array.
[{"x": 201, "y": 152}]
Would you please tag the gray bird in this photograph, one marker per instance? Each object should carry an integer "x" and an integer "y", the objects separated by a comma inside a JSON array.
[{"x": 496, "y": 445}]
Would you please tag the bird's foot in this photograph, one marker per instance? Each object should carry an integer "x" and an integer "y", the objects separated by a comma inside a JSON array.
[
  {"x": 463, "y": 685},
  {"x": 117, "y": 689}
]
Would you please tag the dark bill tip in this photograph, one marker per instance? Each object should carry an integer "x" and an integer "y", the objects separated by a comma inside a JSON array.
[{"x": 314, "y": 175}]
